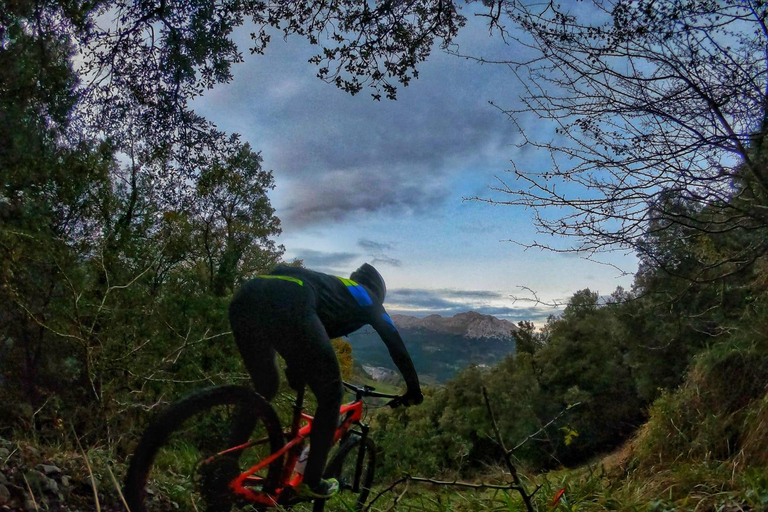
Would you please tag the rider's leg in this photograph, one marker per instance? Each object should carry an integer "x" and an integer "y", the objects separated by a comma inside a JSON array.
[
  {"x": 261, "y": 362},
  {"x": 281, "y": 314},
  {"x": 323, "y": 376},
  {"x": 253, "y": 341}
]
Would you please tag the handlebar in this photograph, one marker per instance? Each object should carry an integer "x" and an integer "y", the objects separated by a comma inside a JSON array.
[{"x": 368, "y": 391}]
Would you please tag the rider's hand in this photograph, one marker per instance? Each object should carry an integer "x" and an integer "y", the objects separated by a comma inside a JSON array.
[{"x": 412, "y": 397}]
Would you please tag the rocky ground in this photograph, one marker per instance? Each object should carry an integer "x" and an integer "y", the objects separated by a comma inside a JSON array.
[{"x": 32, "y": 479}]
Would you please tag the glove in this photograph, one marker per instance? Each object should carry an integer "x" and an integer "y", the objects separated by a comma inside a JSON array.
[{"x": 412, "y": 397}]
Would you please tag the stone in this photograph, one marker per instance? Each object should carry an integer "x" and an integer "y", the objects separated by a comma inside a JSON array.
[
  {"x": 5, "y": 495},
  {"x": 49, "y": 484},
  {"x": 92, "y": 481},
  {"x": 35, "y": 479},
  {"x": 50, "y": 469}
]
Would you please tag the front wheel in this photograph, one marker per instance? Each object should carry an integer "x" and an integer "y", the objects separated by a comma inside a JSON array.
[
  {"x": 353, "y": 466},
  {"x": 178, "y": 464}
]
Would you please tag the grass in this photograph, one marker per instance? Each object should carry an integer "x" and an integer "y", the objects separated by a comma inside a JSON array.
[{"x": 683, "y": 487}]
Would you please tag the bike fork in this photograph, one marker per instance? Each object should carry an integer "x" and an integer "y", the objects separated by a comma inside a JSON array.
[{"x": 360, "y": 458}]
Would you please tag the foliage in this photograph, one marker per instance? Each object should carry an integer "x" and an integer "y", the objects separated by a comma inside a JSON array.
[
  {"x": 615, "y": 357},
  {"x": 714, "y": 413},
  {"x": 687, "y": 487},
  {"x": 527, "y": 339},
  {"x": 344, "y": 354},
  {"x": 126, "y": 219},
  {"x": 450, "y": 431}
]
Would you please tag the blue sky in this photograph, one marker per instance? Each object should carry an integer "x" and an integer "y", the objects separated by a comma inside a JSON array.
[{"x": 386, "y": 182}]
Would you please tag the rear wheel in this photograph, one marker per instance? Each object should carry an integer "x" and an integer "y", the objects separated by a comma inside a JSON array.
[
  {"x": 353, "y": 466},
  {"x": 178, "y": 464}
]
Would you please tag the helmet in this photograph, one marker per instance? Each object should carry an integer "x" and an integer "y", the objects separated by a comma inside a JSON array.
[{"x": 369, "y": 277}]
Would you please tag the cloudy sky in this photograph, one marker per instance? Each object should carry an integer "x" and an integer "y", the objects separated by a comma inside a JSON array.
[{"x": 385, "y": 182}]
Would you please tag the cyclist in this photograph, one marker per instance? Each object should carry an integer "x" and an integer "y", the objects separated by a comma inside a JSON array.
[{"x": 295, "y": 312}]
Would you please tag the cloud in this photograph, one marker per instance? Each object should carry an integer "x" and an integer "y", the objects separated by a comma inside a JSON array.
[
  {"x": 337, "y": 156},
  {"x": 373, "y": 246},
  {"x": 385, "y": 260},
  {"x": 377, "y": 249},
  {"x": 325, "y": 261},
  {"x": 340, "y": 195},
  {"x": 447, "y": 302}
]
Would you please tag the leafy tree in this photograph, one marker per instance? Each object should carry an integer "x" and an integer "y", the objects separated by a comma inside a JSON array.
[
  {"x": 126, "y": 219},
  {"x": 584, "y": 362},
  {"x": 527, "y": 339},
  {"x": 344, "y": 353},
  {"x": 235, "y": 218}
]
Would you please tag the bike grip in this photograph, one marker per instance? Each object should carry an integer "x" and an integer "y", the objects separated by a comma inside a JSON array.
[{"x": 395, "y": 402}]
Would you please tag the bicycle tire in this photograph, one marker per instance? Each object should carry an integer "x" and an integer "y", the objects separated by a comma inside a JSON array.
[
  {"x": 249, "y": 413},
  {"x": 344, "y": 467}
]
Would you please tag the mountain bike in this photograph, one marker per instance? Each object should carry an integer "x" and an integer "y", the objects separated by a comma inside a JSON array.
[{"x": 224, "y": 446}]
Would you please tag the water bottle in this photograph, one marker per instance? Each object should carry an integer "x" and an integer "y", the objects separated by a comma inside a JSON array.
[{"x": 302, "y": 462}]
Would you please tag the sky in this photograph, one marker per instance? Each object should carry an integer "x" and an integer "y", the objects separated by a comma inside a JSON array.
[{"x": 388, "y": 182}]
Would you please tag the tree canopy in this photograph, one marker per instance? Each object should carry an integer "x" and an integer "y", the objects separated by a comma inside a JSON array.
[{"x": 127, "y": 219}]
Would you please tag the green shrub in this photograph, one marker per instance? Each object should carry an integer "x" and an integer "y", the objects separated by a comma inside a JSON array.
[{"x": 716, "y": 413}]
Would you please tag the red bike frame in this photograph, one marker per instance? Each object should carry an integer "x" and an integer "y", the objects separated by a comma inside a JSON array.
[{"x": 351, "y": 414}]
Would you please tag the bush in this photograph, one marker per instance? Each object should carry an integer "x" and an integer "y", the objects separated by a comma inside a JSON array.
[{"x": 717, "y": 413}]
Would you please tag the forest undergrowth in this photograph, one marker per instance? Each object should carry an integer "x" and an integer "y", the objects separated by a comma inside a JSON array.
[
  {"x": 55, "y": 478},
  {"x": 703, "y": 448}
]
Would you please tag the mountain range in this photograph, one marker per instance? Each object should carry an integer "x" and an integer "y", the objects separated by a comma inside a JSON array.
[
  {"x": 439, "y": 346},
  {"x": 467, "y": 325}
]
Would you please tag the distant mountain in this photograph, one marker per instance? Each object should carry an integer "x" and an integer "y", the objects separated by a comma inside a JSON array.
[
  {"x": 439, "y": 346},
  {"x": 467, "y": 325}
]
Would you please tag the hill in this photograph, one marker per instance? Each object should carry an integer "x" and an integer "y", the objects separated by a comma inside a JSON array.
[
  {"x": 439, "y": 346},
  {"x": 471, "y": 325}
]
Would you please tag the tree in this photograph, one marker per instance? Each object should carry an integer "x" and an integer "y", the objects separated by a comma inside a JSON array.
[
  {"x": 126, "y": 219},
  {"x": 648, "y": 99},
  {"x": 527, "y": 339},
  {"x": 344, "y": 354},
  {"x": 235, "y": 219},
  {"x": 584, "y": 361}
]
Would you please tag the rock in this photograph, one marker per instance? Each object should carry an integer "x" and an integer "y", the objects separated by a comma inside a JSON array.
[
  {"x": 49, "y": 484},
  {"x": 35, "y": 480},
  {"x": 50, "y": 469},
  {"x": 3, "y": 479},
  {"x": 30, "y": 451},
  {"x": 469, "y": 325},
  {"x": 92, "y": 481},
  {"x": 4, "y": 453},
  {"x": 65, "y": 480},
  {"x": 5, "y": 495}
]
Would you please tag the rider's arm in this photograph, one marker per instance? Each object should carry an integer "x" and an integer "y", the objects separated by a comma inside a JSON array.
[{"x": 385, "y": 328}]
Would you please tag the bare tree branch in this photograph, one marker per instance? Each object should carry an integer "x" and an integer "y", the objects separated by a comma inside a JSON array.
[{"x": 637, "y": 103}]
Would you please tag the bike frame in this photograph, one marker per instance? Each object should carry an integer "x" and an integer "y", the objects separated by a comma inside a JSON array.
[{"x": 351, "y": 414}]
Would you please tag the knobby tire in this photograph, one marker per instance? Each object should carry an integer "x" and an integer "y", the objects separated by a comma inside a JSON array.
[
  {"x": 344, "y": 468},
  {"x": 250, "y": 411}
]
